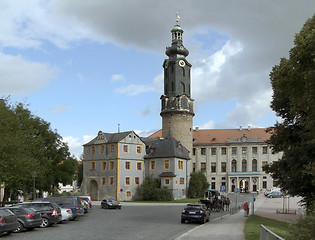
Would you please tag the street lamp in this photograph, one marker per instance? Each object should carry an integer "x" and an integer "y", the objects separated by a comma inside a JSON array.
[{"x": 34, "y": 190}]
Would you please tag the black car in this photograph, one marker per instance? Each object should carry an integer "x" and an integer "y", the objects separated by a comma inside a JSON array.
[
  {"x": 8, "y": 221},
  {"x": 72, "y": 202},
  {"x": 50, "y": 212},
  {"x": 110, "y": 203},
  {"x": 28, "y": 219},
  {"x": 195, "y": 212}
]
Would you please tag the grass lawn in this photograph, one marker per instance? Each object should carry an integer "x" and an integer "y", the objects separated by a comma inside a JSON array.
[{"x": 252, "y": 227}]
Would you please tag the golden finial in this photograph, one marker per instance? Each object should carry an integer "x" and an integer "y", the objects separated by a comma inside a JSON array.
[{"x": 177, "y": 17}]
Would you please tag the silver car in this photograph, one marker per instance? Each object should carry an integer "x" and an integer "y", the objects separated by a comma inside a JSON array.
[{"x": 66, "y": 214}]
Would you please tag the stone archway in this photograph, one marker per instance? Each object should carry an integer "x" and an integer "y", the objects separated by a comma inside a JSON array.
[
  {"x": 93, "y": 190},
  {"x": 244, "y": 185}
]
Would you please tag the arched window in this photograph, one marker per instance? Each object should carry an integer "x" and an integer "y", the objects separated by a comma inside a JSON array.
[
  {"x": 172, "y": 86},
  {"x": 183, "y": 87},
  {"x": 244, "y": 165},
  {"x": 254, "y": 165},
  {"x": 234, "y": 166}
]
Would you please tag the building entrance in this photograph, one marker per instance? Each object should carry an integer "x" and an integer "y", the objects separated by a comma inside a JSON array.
[{"x": 93, "y": 190}]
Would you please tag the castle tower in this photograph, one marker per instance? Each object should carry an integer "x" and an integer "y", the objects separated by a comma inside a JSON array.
[{"x": 177, "y": 105}]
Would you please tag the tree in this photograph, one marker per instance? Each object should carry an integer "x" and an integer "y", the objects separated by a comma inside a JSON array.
[
  {"x": 293, "y": 83},
  {"x": 151, "y": 190},
  {"x": 29, "y": 146},
  {"x": 198, "y": 184}
]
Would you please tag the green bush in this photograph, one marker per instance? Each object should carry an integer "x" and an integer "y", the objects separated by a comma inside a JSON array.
[
  {"x": 151, "y": 190},
  {"x": 304, "y": 229}
]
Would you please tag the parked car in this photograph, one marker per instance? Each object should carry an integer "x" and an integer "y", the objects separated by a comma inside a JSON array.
[
  {"x": 66, "y": 214},
  {"x": 27, "y": 218},
  {"x": 88, "y": 199},
  {"x": 270, "y": 190},
  {"x": 49, "y": 211},
  {"x": 275, "y": 194},
  {"x": 110, "y": 203},
  {"x": 8, "y": 221},
  {"x": 72, "y": 202},
  {"x": 195, "y": 212}
]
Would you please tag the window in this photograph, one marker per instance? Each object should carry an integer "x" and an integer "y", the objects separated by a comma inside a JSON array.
[
  {"x": 264, "y": 184},
  {"x": 111, "y": 165},
  {"x": 128, "y": 194},
  {"x": 254, "y": 165},
  {"x": 234, "y": 166},
  {"x": 194, "y": 167},
  {"x": 183, "y": 192},
  {"x": 223, "y": 166},
  {"x": 111, "y": 181},
  {"x": 92, "y": 149},
  {"x": 223, "y": 184},
  {"x": 182, "y": 180},
  {"x": 103, "y": 165},
  {"x": 264, "y": 163},
  {"x": 213, "y": 185},
  {"x": 223, "y": 151},
  {"x": 112, "y": 148},
  {"x": 166, "y": 181},
  {"x": 254, "y": 150},
  {"x": 234, "y": 150},
  {"x": 194, "y": 151},
  {"x": 152, "y": 164},
  {"x": 264, "y": 150},
  {"x": 244, "y": 150},
  {"x": 139, "y": 149},
  {"x": 166, "y": 164},
  {"x": 213, "y": 167},
  {"x": 180, "y": 164},
  {"x": 127, "y": 165},
  {"x": 102, "y": 148},
  {"x": 203, "y": 167},
  {"x": 137, "y": 180},
  {"x": 244, "y": 165},
  {"x": 125, "y": 148},
  {"x": 127, "y": 180},
  {"x": 203, "y": 151},
  {"x": 103, "y": 181},
  {"x": 93, "y": 165},
  {"x": 213, "y": 151},
  {"x": 139, "y": 166}
]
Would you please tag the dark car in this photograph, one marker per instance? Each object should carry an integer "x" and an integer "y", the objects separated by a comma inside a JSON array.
[
  {"x": 50, "y": 212},
  {"x": 110, "y": 203},
  {"x": 8, "y": 221},
  {"x": 87, "y": 199},
  {"x": 195, "y": 212},
  {"x": 72, "y": 202},
  {"x": 28, "y": 219}
]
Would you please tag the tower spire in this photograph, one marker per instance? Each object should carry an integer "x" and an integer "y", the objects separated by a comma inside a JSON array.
[{"x": 177, "y": 17}]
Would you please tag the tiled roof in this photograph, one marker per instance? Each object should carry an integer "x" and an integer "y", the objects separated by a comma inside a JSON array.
[
  {"x": 222, "y": 136},
  {"x": 108, "y": 138}
]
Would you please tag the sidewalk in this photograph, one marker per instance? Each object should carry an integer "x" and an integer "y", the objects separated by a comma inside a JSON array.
[{"x": 230, "y": 227}]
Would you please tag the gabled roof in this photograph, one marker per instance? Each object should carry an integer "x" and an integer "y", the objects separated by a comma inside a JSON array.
[
  {"x": 103, "y": 138},
  {"x": 224, "y": 136},
  {"x": 165, "y": 148}
]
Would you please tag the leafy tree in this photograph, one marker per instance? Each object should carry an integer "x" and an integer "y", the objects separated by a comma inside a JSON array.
[
  {"x": 198, "y": 184},
  {"x": 293, "y": 83},
  {"x": 151, "y": 190},
  {"x": 28, "y": 146}
]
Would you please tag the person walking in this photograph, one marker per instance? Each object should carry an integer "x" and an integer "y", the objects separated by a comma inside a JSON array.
[{"x": 246, "y": 209}]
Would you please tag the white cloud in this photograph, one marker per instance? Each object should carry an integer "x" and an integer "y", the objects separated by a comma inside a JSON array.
[
  {"x": 60, "y": 108},
  {"x": 117, "y": 78},
  {"x": 20, "y": 76},
  {"x": 208, "y": 125},
  {"x": 75, "y": 144}
]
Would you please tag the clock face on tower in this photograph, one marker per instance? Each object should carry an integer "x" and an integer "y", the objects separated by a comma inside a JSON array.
[{"x": 182, "y": 63}]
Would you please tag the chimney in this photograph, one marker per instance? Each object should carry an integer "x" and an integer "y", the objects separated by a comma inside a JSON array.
[
  {"x": 248, "y": 128},
  {"x": 197, "y": 129},
  {"x": 241, "y": 128}
]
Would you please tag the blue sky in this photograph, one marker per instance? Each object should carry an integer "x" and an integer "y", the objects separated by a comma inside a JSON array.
[{"x": 86, "y": 66}]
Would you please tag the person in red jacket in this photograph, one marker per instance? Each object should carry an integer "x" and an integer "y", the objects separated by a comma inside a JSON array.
[{"x": 246, "y": 209}]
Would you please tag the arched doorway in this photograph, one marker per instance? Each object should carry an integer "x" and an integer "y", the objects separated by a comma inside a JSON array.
[
  {"x": 244, "y": 185},
  {"x": 93, "y": 190}
]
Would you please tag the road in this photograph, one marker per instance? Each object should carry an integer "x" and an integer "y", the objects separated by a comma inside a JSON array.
[{"x": 131, "y": 222}]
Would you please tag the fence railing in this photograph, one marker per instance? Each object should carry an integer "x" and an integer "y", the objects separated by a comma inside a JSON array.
[{"x": 266, "y": 234}]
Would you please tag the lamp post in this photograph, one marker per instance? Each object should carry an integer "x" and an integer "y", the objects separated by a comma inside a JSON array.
[{"x": 34, "y": 190}]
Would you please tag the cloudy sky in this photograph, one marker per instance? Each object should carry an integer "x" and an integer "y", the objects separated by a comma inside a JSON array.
[{"x": 86, "y": 66}]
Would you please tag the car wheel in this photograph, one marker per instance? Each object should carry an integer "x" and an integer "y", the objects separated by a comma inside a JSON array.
[
  {"x": 102, "y": 206},
  {"x": 182, "y": 220},
  {"x": 45, "y": 222},
  {"x": 208, "y": 219},
  {"x": 20, "y": 228}
]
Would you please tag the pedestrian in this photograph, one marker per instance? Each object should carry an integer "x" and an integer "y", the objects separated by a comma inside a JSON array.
[{"x": 246, "y": 209}]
